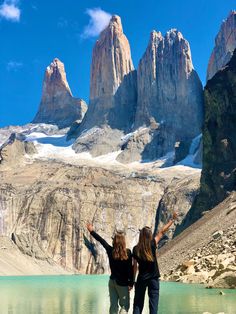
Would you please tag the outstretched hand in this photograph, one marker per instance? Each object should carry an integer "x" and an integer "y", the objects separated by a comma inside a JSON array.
[{"x": 89, "y": 227}]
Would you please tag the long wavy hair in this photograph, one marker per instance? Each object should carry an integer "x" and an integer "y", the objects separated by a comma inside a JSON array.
[
  {"x": 143, "y": 248},
  {"x": 119, "y": 251}
]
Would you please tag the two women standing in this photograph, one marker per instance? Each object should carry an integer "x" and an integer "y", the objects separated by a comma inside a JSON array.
[{"x": 123, "y": 271}]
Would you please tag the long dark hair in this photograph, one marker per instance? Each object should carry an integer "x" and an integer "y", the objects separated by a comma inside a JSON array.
[
  {"x": 119, "y": 251},
  {"x": 143, "y": 248}
]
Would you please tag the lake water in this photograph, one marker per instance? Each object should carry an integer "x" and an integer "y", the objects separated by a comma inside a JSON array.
[{"x": 89, "y": 295}]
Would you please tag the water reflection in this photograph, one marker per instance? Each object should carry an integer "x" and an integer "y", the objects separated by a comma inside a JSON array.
[{"x": 89, "y": 295}]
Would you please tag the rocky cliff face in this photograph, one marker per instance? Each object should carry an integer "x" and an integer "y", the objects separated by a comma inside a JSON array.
[
  {"x": 46, "y": 217},
  {"x": 112, "y": 81},
  {"x": 147, "y": 80},
  {"x": 45, "y": 204},
  {"x": 169, "y": 89},
  {"x": 219, "y": 146},
  {"x": 57, "y": 105},
  {"x": 225, "y": 43}
]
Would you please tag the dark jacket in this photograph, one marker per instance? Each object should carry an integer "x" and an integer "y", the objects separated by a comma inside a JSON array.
[
  {"x": 147, "y": 270},
  {"x": 121, "y": 271}
]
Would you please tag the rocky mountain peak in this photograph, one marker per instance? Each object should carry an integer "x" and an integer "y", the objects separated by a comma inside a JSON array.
[
  {"x": 225, "y": 43},
  {"x": 169, "y": 90},
  {"x": 182, "y": 47},
  {"x": 55, "y": 80},
  {"x": 112, "y": 80},
  {"x": 154, "y": 35},
  {"x": 111, "y": 56},
  {"x": 174, "y": 34},
  {"x": 115, "y": 24},
  {"x": 166, "y": 95},
  {"x": 112, "y": 31},
  {"x": 154, "y": 40},
  {"x": 57, "y": 105}
]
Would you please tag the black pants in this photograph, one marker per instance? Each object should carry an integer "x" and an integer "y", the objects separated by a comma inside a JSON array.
[{"x": 153, "y": 293}]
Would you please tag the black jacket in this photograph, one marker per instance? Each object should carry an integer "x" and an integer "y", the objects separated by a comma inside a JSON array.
[{"x": 121, "y": 271}]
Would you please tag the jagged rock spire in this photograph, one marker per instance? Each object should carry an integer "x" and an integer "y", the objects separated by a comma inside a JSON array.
[
  {"x": 112, "y": 80},
  {"x": 169, "y": 89},
  {"x": 57, "y": 105},
  {"x": 111, "y": 60}
]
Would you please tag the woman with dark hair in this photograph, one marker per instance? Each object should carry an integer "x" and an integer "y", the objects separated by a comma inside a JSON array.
[
  {"x": 121, "y": 279},
  {"x": 144, "y": 254}
]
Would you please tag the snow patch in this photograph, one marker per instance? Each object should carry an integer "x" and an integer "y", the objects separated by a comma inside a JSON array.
[
  {"x": 52, "y": 145},
  {"x": 110, "y": 157},
  {"x": 193, "y": 150},
  {"x": 55, "y": 140},
  {"x": 57, "y": 147}
]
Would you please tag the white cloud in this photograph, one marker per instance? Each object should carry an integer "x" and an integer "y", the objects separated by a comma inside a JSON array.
[
  {"x": 10, "y": 11},
  {"x": 99, "y": 20},
  {"x": 14, "y": 65}
]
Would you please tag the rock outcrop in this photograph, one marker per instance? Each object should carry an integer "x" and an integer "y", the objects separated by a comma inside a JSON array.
[
  {"x": 14, "y": 151},
  {"x": 99, "y": 141},
  {"x": 218, "y": 177},
  {"x": 225, "y": 43},
  {"x": 179, "y": 194},
  {"x": 112, "y": 81},
  {"x": 169, "y": 89},
  {"x": 146, "y": 144},
  {"x": 57, "y": 105}
]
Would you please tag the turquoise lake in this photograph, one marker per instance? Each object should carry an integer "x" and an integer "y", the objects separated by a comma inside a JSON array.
[{"x": 89, "y": 295}]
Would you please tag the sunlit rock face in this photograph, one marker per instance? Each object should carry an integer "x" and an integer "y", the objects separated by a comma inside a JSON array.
[
  {"x": 112, "y": 81},
  {"x": 45, "y": 214},
  {"x": 169, "y": 90},
  {"x": 57, "y": 105},
  {"x": 225, "y": 43},
  {"x": 169, "y": 100},
  {"x": 45, "y": 203}
]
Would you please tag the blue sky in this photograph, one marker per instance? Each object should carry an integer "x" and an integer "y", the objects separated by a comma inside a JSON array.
[{"x": 34, "y": 32}]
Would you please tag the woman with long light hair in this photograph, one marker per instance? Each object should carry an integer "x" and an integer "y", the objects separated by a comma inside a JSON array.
[
  {"x": 144, "y": 257},
  {"x": 121, "y": 278}
]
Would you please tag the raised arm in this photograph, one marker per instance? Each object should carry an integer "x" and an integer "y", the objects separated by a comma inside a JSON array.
[
  {"x": 98, "y": 237},
  {"x": 161, "y": 233}
]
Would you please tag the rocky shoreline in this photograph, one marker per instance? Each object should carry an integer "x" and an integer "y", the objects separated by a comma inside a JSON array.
[
  {"x": 213, "y": 265},
  {"x": 205, "y": 252}
]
